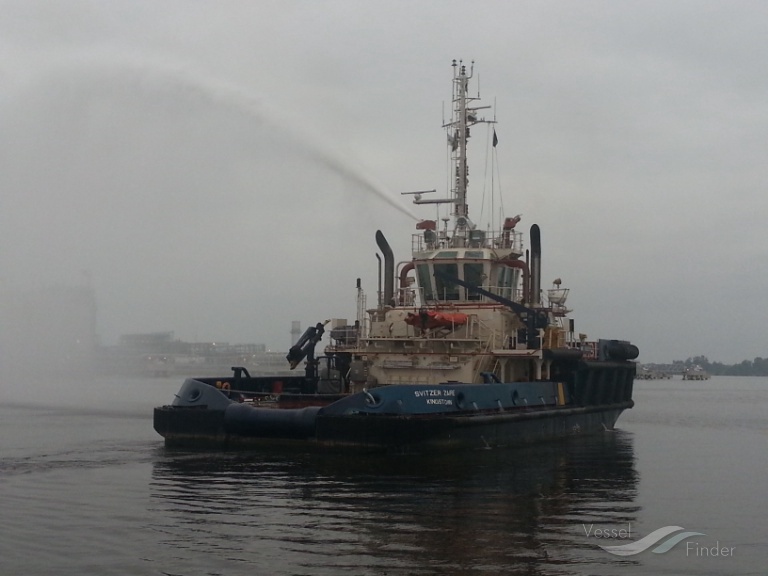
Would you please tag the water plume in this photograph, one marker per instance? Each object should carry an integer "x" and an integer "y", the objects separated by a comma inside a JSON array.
[{"x": 186, "y": 78}]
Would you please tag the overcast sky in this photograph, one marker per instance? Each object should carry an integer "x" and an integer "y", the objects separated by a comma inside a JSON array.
[{"x": 219, "y": 169}]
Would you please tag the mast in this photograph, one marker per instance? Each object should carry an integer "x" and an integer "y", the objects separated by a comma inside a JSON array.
[
  {"x": 464, "y": 116},
  {"x": 460, "y": 124}
]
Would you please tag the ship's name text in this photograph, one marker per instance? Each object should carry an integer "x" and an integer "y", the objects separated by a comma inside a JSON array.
[{"x": 435, "y": 392}]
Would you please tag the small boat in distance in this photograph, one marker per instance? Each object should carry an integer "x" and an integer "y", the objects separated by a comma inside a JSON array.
[
  {"x": 695, "y": 372},
  {"x": 645, "y": 373},
  {"x": 464, "y": 349}
]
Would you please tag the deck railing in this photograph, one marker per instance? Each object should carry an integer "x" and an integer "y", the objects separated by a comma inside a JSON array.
[{"x": 492, "y": 239}]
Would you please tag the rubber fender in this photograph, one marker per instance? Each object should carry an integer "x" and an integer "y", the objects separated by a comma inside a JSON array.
[
  {"x": 618, "y": 350},
  {"x": 245, "y": 420}
]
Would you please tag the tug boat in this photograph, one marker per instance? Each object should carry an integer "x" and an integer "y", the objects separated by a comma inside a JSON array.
[{"x": 464, "y": 349}]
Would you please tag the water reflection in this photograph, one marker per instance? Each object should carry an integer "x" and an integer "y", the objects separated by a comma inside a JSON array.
[{"x": 517, "y": 511}]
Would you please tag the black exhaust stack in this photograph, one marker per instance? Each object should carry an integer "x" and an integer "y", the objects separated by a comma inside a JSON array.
[
  {"x": 389, "y": 269},
  {"x": 535, "y": 265}
]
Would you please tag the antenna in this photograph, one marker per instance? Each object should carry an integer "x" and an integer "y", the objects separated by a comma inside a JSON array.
[{"x": 417, "y": 199}]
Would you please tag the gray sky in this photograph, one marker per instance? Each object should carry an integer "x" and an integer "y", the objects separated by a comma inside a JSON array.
[{"x": 219, "y": 168}]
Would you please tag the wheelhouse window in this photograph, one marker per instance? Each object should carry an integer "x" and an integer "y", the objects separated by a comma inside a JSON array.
[
  {"x": 446, "y": 290},
  {"x": 473, "y": 274},
  {"x": 505, "y": 282},
  {"x": 425, "y": 282}
]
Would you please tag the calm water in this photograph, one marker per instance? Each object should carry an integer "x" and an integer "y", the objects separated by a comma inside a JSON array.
[{"x": 86, "y": 487}]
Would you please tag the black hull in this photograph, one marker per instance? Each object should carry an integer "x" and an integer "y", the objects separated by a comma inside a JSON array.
[
  {"x": 470, "y": 432},
  {"x": 399, "y": 418},
  {"x": 199, "y": 428}
]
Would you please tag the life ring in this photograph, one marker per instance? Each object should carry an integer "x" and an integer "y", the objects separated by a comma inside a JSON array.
[{"x": 225, "y": 387}]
